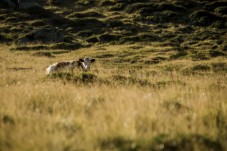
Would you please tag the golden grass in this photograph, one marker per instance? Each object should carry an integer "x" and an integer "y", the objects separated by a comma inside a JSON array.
[{"x": 41, "y": 113}]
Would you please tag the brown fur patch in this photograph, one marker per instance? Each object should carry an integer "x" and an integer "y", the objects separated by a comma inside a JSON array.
[{"x": 62, "y": 64}]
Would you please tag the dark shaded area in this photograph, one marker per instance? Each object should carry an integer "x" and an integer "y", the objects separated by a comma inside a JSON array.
[
  {"x": 73, "y": 24},
  {"x": 6, "y": 119},
  {"x": 43, "y": 54},
  {"x": 82, "y": 78},
  {"x": 206, "y": 18},
  {"x": 63, "y": 46},
  {"x": 162, "y": 142}
]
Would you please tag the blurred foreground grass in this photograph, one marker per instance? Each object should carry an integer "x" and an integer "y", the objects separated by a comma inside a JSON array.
[{"x": 124, "y": 103}]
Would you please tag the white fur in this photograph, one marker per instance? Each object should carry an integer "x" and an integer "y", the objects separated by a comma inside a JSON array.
[
  {"x": 51, "y": 68},
  {"x": 85, "y": 64}
]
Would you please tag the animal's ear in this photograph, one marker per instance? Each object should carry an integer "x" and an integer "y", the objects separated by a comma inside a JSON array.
[
  {"x": 81, "y": 60},
  {"x": 92, "y": 60}
]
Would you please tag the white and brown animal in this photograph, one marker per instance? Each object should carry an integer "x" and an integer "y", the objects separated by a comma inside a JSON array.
[{"x": 84, "y": 64}]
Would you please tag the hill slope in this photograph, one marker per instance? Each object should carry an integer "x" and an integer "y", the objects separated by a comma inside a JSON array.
[{"x": 185, "y": 25}]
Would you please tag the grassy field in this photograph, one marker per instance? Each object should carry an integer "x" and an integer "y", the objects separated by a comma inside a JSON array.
[
  {"x": 134, "y": 98},
  {"x": 159, "y": 82}
]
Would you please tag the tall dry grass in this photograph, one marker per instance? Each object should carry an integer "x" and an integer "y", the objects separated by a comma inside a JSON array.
[{"x": 171, "y": 110}]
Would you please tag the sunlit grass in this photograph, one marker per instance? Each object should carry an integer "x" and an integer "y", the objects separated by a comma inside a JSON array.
[{"x": 128, "y": 106}]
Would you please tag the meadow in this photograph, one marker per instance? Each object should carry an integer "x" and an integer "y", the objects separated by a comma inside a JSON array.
[
  {"x": 124, "y": 103},
  {"x": 159, "y": 82}
]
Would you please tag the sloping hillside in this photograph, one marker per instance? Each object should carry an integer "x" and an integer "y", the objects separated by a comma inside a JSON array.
[{"x": 185, "y": 25}]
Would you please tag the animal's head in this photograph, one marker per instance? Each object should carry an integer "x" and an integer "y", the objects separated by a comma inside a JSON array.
[{"x": 86, "y": 63}]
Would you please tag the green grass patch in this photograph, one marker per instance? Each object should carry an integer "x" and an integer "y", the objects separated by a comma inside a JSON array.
[
  {"x": 66, "y": 46},
  {"x": 81, "y": 78},
  {"x": 43, "y": 54},
  {"x": 219, "y": 67},
  {"x": 85, "y": 14}
]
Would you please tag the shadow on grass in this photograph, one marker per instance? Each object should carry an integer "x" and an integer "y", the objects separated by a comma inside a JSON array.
[
  {"x": 123, "y": 80},
  {"x": 90, "y": 78},
  {"x": 61, "y": 45},
  {"x": 83, "y": 78},
  {"x": 162, "y": 142}
]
